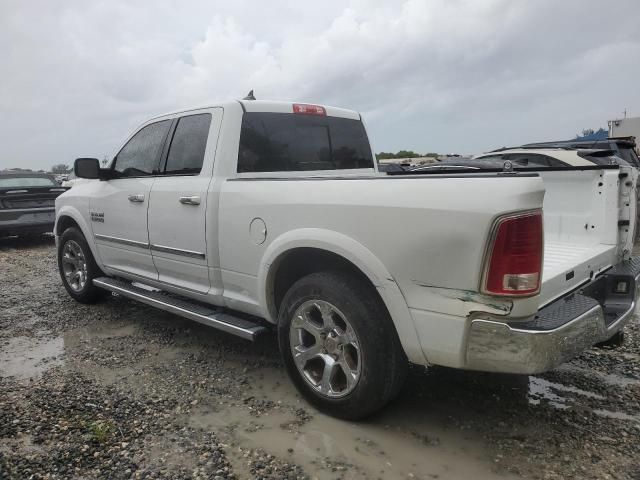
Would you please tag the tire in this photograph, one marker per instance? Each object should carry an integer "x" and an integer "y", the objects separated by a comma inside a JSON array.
[
  {"x": 77, "y": 267},
  {"x": 367, "y": 367}
]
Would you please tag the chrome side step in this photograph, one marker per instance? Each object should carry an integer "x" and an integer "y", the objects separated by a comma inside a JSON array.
[{"x": 211, "y": 316}]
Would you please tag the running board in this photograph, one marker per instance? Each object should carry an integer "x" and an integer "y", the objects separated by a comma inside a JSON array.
[{"x": 210, "y": 316}]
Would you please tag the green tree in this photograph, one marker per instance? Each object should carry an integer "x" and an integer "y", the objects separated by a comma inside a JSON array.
[
  {"x": 407, "y": 154},
  {"x": 385, "y": 155},
  {"x": 60, "y": 168}
]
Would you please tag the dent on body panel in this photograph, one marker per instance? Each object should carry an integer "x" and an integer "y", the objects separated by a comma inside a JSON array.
[{"x": 469, "y": 300}]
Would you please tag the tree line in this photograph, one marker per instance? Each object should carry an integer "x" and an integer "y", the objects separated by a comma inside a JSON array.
[{"x": 403, "y": 154}]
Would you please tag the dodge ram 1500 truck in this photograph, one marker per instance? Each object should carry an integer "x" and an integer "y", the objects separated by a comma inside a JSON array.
[{"x": 253, "y": 215}]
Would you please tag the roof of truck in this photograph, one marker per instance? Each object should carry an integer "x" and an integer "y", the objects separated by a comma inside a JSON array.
[{"x": 269, "y": 106}]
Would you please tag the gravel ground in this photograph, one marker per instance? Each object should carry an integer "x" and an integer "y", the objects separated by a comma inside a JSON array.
[{"x": 120, "y": 390}]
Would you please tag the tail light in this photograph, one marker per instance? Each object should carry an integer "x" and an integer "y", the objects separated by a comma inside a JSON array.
[
  {"x": 514, "y": 265},
  {"x": 306, "y": 109}
]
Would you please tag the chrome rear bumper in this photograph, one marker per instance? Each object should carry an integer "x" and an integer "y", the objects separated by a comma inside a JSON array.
[{"x": 559, "y": 332}]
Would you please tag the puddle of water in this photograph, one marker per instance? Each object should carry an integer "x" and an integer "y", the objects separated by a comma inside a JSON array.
[
  {"x": 28, "y": 357},
  {"x": 73, "y": 338},
  {"x": 539, "y": 388},
  {"x": 405, "y": 441},
  {"x": 617, "y": 415},
  {"x": 610, "y": 379}
]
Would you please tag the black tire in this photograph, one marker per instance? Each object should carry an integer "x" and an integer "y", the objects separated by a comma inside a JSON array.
[
  {"x": 383, "y": 365},
  {"x": 88, "y": 293}
]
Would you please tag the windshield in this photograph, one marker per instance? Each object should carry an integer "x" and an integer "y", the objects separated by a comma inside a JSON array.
[{"x": 26, "y": 181}]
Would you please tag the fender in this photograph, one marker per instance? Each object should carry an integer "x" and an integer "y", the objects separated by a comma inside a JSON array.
[
  {"x": 72, "y": 212},
  {"x": 363, "y": 259}
]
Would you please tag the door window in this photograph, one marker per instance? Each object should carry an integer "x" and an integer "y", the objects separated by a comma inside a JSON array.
[
  {"x": 188, "y": 145},
  {"x": 140, "y": 156}
]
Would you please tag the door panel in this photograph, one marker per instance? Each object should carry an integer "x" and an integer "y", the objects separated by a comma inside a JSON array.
[
  {"x": 178, "y": 205},
  {"x": 177, "y": 231},
  {"x": 120, "y": 225}
]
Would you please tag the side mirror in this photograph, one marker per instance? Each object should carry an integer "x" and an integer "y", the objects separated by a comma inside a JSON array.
[{"x": 87, "y": 168}]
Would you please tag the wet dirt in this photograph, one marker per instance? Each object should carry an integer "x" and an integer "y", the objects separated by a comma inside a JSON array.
[{"x": 184, "y": 401}]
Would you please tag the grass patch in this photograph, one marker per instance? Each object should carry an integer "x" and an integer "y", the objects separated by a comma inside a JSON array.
[{"x": 100, "y": 431}]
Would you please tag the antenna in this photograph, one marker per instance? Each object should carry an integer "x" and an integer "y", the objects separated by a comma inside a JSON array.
[{"x": 250, "y": 96}]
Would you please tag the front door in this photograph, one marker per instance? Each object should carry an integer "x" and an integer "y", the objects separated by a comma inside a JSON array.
[
  {"x": 178, "y": 205},
  {"x": 119, "y": 207}
]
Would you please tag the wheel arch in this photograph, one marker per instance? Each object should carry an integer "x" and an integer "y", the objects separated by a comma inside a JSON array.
[
  {"x": 68, "y": 217},
  {"x": 304, "y": 251}
]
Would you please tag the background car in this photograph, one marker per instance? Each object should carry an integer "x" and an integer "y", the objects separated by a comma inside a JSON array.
[
  {"x": 534, "y": 157},
  {"x": 27, "y": 203},
  {"x": 623, "y": 147}
]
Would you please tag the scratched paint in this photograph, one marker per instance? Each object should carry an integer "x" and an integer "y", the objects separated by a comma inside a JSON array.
[{"x": 473, "y": 301}]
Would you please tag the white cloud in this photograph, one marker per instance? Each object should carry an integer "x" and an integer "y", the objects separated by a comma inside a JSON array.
[{"x": 438, "y": 75}]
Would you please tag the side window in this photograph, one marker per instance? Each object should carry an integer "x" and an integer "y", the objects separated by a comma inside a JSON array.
[
  {"x": 494, "y": 158},
  {"x": 139, "y": 157},
  {"x": 525, "y": 160},
  {"x": 554, "y": 162},
  {"x": 534, "y": 160},
  {"x": 188, "y": 145}
]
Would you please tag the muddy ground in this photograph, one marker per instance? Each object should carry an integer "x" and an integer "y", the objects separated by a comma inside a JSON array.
[{"x": 120, "y": 390}]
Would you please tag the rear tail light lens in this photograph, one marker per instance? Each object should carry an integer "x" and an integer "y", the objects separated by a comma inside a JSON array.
[
  {"x": 305, "y": 109},
  {"x": 515, "y": 258}
]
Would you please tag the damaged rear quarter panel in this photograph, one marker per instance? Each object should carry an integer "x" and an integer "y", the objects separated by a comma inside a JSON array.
[{"x": 462, "y": 302}]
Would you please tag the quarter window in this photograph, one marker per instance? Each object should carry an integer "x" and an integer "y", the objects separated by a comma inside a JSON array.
[
  {"x": 140, "y": 156},
  {"x": 186, "y": 153}
]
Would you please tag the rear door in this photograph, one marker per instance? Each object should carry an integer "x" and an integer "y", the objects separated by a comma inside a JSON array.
[
  {"x": 118, "y": 207},
  {"x": 178, "y": 207}
]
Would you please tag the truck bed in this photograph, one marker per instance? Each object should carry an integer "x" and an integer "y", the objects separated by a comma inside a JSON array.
[{"x": 581, "y": 228}]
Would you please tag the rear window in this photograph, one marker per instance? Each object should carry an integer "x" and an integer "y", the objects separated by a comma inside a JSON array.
[
  {"x": 285, "y": 142},
  {"x": 12, "y": 182}
]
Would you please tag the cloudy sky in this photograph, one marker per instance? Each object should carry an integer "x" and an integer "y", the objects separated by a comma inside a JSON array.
[{"x": 428, "y": 75}]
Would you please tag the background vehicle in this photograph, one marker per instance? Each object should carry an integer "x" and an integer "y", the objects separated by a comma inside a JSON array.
[
  {"x": 72, "y": 180},
  {"x": 27, "y": 203},
  {"x": 551, "y": 156},
  {"x": 622, "y": 147},
  {"x": 274, "y": 214}
]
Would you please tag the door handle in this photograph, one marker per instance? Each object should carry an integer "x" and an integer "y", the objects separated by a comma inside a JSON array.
[
  {"x": 139, "y": 198},
  {"x": 193, "y": 200}
]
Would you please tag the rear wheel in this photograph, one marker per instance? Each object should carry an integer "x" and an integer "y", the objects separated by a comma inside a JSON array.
[
  {"x": 77, "y": 267},
  {"x": 339, "y": 345}
]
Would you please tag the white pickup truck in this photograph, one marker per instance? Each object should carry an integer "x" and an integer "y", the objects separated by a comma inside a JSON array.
[{"x": 251, "y": 215}]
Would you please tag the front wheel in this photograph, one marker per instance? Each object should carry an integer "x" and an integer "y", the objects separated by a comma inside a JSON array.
[
  {"x": 339, "y": 345},
  {"x": 77, "y": 267}
]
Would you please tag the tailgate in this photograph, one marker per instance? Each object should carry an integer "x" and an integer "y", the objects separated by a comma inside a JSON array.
[{"x": 589, "y": 218}]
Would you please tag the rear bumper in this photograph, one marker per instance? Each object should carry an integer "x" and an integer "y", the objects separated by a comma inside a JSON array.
[
  {"x": 559, "y": 331},
  {"x": 27, "y": 220}
]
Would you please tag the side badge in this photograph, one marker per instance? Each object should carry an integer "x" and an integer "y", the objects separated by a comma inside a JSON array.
[{"x": 97, "y": 217}]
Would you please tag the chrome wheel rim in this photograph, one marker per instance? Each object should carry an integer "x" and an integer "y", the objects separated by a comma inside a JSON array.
[
  {"x": 74, "y": 265},
  {"x": 325, "y": 348}
]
